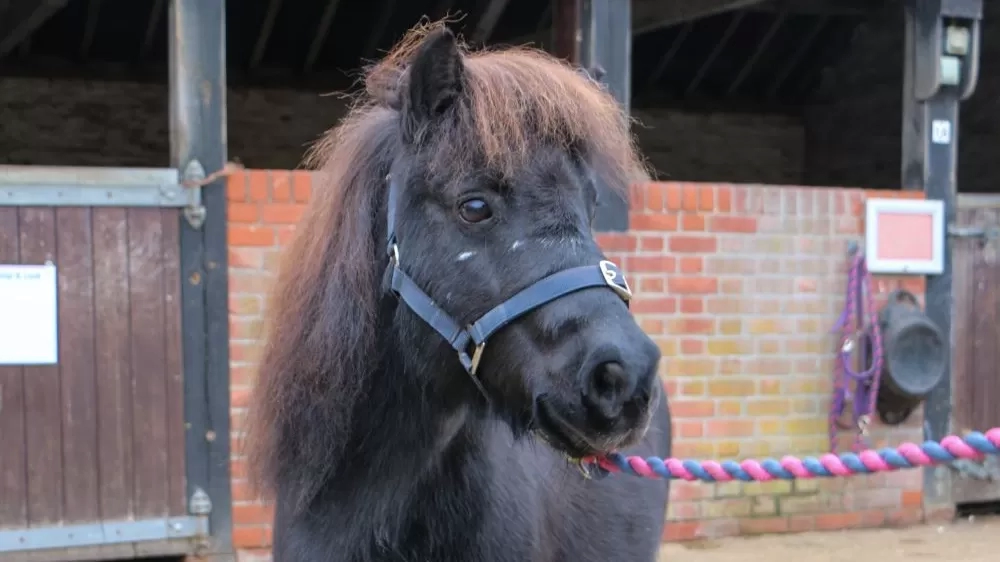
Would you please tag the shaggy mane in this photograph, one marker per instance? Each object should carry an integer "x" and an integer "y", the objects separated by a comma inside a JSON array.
[{"x": 321, "y": 316}]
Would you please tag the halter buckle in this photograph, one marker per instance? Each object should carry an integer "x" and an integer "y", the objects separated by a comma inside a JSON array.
[
  {"x": 394, "y": 254},
  {"x": 477, "y": 356},
  {"x": 615, "y": 280}
]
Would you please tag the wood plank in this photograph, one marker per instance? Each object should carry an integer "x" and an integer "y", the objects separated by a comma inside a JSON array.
[
  {"x": 112, "y": 351},
  {"x": 961, "y": 360},
  {"x": 13, "y": 467},
  {"x": 148, "y": 338},
  {"x": 42, "y": 392},
  {"x": 76, "y": 363},
  {"x": 174, "y": 360},
  {"x": 977, "y": 307}
]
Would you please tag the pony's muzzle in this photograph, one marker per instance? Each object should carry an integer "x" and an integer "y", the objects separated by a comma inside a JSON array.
[{"x": 618, "y": 386}]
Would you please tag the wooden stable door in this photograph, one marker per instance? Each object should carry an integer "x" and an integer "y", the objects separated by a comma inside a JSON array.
[
  {"x": 92, "y": 445},
  {"x": 976, "y": 352}
]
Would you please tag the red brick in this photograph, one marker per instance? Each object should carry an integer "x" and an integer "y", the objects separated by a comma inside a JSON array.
[
  {"x": 674, "y": 197},
  {"x": 240, "y": 235},
  {"x": 251, "y": 536},
  {"x": 692, "y": 408},
  {"x": 733, "y": 224},
  {"x": 651, "y": 244},
  {"x": 259, "y": 182},
  {"x": 706, "y": 198},
  {"x": 615, "y": 242},
  {"x": 692, "y": 305},
  {"x": 251, "y": 514},
  {"x": 693, "y": 285},
  {"x": 281, "y": 186},
  {"x": 724, "y": 200},
  {"x": 650, "y": 264},
  {"x": 692, "y": 223},
  {"x": 692, "y": 244},
  {"x": 236, "y": 187},
  {"x": 242, "y": 212},
  {"x": 680, "y": 530},
  {"x": 660, "y": 305},
  {"x": 645, "y": 222},
  {"x": 301, "y": 186},
  {"x": 281, "y": 213},
  {"x": 691, "y": 264}
]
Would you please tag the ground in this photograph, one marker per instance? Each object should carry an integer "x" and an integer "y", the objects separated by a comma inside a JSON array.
[{"x": 966, "y": 540}]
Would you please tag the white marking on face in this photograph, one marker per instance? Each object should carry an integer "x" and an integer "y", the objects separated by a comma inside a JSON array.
[
  {"x": 465, "y": 255},
  {"x": 517, "y": 244}
]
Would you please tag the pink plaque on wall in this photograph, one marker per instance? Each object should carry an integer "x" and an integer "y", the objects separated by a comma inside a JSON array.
[{"x": 904, "y": 236}]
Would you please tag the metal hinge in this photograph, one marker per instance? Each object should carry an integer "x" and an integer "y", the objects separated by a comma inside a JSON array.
[
  {"x": 194, "y": 212},
  {"x": 986, "y": 234}
]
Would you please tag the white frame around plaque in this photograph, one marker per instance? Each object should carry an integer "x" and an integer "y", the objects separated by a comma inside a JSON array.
[
  {"x": 34, "y": 338},
  {"x": 933, "y": 266}
]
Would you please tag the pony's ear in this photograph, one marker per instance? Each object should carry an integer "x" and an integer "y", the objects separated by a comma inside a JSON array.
[{"x": 437, "y": 78}]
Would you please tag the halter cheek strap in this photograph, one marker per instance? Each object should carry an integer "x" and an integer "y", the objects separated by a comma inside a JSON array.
[{"x": 470, "y": 341}]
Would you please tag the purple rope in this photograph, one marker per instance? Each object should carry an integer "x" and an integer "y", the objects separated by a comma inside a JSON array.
[{"x": 851, "y": 325}]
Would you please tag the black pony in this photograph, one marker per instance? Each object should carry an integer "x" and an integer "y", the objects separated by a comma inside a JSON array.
[{"x": 458, "y": 180}]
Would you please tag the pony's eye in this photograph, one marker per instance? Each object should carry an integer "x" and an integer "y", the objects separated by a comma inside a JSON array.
[{"x": 474, "y": 210}]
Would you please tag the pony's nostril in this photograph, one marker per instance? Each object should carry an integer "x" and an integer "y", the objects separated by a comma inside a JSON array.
[{"x": 607, "y": 388}]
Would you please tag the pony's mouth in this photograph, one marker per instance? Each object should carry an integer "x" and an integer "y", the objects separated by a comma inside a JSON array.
[{"x": 560, "y": 434}]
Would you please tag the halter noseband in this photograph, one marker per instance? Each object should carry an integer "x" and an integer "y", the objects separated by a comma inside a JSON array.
[{"x": 474, "y": 336}]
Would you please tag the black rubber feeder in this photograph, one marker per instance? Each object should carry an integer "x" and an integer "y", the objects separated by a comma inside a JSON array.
[{"x": 913, "y": 363}]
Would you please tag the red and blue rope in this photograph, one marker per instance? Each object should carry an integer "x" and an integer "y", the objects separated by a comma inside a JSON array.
[{"x": 973, "y": 446}]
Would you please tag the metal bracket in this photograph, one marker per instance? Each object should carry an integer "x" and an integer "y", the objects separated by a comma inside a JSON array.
[
  {"x": 194, "y": 212},
  {"x": 976, "y": 471},
  {"x": 200, "y": 503}
]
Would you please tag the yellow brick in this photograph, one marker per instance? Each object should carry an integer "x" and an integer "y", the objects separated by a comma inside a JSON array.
[
  {"x": 728, "y": 347},
  {"x": 730, "y": 387},
  {"x": 769, "y": 386},
  {"x": 768, "y": 407},
  {"x": 763, "y": 505},
  {"x": 806, "y": 486},
  {"x": 808, "y": 326},
  {"x": 688, "y": 367},
  {"x": 692, "y": 388},
  {"x": 730, "y": 408},
  {"x": 736, "y": 507},
  {"x": 777, "y": 487},
  {"x": 728, "y": 489},
  {"x": 802, "y": 346},
  {"x": 730, "y": 326},
  {"x": 768, "y": 347},
  {"x": 804, "y": 405},
  {"x": 805, "y": 426},
  {"x": 727, "y": 449},
  {"x": 668, "y": 346},
  {"x": 765, "y": 326},
  {"x": 769, "y": 427},
  {"x": 813, "y": 445},
  {"x": 802, "y": 386},
  {"x": 756, "y": 448}
]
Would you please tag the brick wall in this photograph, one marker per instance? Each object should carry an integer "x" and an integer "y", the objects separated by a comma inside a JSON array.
[{"x": 739, "y": 284}]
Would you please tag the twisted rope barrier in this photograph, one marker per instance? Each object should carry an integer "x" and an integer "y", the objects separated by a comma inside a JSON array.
[{"x": 973, "y": 446}]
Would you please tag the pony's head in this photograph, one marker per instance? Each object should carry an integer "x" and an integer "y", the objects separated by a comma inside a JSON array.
[{"x": 459, "y": 181}]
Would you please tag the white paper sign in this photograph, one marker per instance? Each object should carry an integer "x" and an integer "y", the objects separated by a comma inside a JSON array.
[{"x": 29, "y": 329}]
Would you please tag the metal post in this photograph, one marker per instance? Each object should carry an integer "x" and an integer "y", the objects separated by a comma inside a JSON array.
[
  {"x": 941, "y": 63},
  {"x": 197, "y": 35},
  {"x": 597, "y": 35}
]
